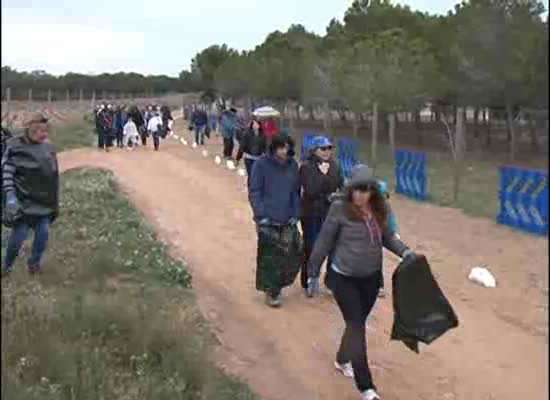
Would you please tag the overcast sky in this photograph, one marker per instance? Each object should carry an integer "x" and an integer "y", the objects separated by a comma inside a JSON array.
[{"x": 152, "y": 37}]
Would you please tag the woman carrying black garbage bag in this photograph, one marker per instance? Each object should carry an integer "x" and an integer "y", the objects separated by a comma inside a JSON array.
[{"x": 354, "y": 233}]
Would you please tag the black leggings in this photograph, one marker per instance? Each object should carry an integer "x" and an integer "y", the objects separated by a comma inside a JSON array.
[
  {"x": 355, "y": 298},
  {"x": 228, "y": 147}
]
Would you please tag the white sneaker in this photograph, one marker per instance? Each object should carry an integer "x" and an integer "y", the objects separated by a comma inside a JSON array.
[
  {"x": 370, "y": 395},
  {"x": 273, "y": 301},
  {"x": 346, "y": 369}
]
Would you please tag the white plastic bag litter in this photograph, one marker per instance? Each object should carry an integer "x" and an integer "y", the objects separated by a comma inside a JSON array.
[
  {"x": 230, "y": 165},
  {"x": 241, "y": 172},
  {"x": 218, "y": 160},
  {"x": 483, "y": 277},
  {"x": 205, "y": 153}
]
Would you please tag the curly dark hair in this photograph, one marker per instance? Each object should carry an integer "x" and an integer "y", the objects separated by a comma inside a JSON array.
[
  {"x": 377, "y": 203},
  {"x": 260, "y": 130}
]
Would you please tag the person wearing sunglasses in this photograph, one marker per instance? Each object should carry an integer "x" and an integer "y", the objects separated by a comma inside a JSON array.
[
  {"x": 30, "y": 188},
  {"x": 320, "y": 177},
  {"x": 354, "y": 233}
]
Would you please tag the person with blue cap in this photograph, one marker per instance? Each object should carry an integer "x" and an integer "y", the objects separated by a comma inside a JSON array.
[{"x": 320, "y": 178}]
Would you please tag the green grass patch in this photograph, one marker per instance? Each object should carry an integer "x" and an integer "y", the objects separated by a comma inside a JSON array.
[
  {"x": 72, "y": 134},
  {"x": 113, "y": 315}
]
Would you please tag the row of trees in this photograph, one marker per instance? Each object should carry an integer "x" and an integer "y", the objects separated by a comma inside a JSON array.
[
  {"x": 115, "y": 84},
  {"x": 383, "y": 59}
]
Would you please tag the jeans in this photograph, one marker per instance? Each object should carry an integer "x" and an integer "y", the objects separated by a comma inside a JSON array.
[
  {"x": 355, "y": 298},
  {"x": 248, "y": 164},
  {"x": 199, "y": 134},
  {"x": 40, "y": 226},
  {"x": 228, "y": 145}
]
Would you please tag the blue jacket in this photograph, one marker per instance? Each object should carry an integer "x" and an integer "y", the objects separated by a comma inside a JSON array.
[
  {"x": 391, "y": 220},
  {"x": 228, "y": 125},
  {"x": 274, "y": 191},
  {"x": 199, "y": 118},
  {"x": 117, "y": 121}
]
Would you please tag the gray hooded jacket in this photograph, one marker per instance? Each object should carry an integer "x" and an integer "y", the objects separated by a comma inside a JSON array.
[{"x": 355, "y": 251}]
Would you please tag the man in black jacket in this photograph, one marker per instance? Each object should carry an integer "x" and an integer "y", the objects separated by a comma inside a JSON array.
[
  {"x": 30, "y": 185},
  {"x": 320, "y": 177}
]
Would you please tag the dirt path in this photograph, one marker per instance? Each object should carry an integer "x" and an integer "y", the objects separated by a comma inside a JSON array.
[{"x": 499, "y": 352}]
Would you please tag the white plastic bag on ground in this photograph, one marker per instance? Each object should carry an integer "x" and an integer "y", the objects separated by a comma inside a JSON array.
[
  {"x": 205, "y": 153},
  {"x": 483, "y": 277},
  {"x": 195, "y": 145},
  {"x": 241, "y": 172},
  {"x": 218, "y": 160},
  {"x": 230, "y": 165}
]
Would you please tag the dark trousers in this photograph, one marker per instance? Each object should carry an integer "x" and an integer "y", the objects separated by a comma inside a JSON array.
[
  {"x": 311, "y": 227},
  {"x": 119, "y": 137},
  {"x": 104, "y": 139},
  {"x": 143, "y": 135},
  {"x": 355, "y": 298},
  {"x": 199, "y": 134},
  {"x": 100, "y": 139},
  {"x": 156, "y": 139},
  {"x": 228, "y": 145},
  {"x": 248, "y": 164}
]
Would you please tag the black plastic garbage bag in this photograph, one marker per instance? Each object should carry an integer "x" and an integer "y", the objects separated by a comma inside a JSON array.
[
  {"x": 280, "y": 256},
  {"x": 421, "y": 311}
]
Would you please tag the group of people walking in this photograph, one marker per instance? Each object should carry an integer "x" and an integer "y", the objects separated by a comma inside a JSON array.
[
  {"x": 227, "y": 123},
  {"x": 129, "y": 128},
  {"x": 345, "y": 224}
]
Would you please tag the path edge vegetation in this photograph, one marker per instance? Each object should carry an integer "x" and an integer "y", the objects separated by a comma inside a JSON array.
[{"x": 113, "y": 316}]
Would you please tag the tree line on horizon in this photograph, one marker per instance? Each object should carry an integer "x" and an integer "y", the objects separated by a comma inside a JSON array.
[{"x": 381, "y": 59}]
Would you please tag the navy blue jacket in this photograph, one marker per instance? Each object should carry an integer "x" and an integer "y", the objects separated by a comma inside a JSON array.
[
  {"x": 199, "y": 118},
  {"x": 274, "y": 191}
]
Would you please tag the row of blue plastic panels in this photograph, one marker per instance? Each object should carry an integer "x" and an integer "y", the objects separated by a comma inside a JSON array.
[
  {"x": 411, "y": 174},
  {"x": 523, "y": 197}
]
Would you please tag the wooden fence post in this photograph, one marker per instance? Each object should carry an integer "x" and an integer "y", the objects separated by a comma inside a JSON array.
[
  {"x": 30, "y": 95},
  {"x": 459, "y": 153},
  {"x": 374, "y": 138},
  {"x": 49, "y": 95}
]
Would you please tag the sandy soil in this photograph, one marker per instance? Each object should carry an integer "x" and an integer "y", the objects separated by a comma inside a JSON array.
[{"x": 499, "y": 352}]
